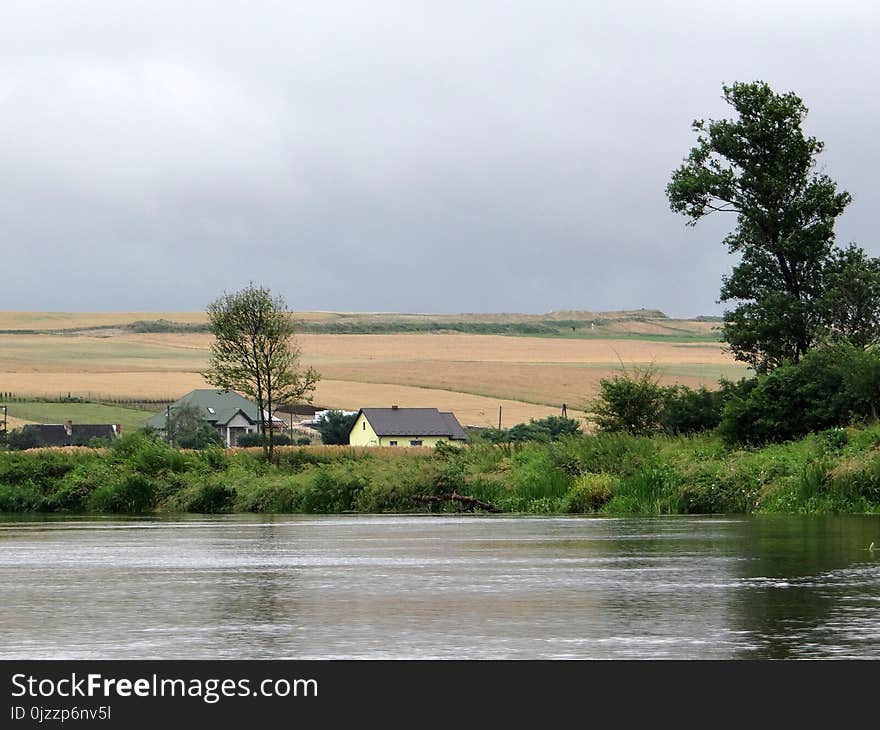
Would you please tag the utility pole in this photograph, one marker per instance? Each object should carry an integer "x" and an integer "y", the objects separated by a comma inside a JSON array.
[
  {"x": 168, "y": 424},
  {"x": 499, "y": 418}
]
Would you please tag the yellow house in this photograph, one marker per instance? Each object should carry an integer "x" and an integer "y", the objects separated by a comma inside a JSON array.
[{"x": 404, "y": 427}]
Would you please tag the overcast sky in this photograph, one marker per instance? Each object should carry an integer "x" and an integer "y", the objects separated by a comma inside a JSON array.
[{"x": 413, "y": 156}]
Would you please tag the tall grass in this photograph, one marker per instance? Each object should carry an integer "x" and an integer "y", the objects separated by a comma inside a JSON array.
[{"x": 607, "y": 474}]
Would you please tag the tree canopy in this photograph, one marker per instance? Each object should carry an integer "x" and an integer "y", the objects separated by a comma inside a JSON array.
[
  {"x": 187, "y": 429},
  {"x": 791, "y": 287},
  {"x": 254, "y": 352},
  {"x": 335, "y": 427}
]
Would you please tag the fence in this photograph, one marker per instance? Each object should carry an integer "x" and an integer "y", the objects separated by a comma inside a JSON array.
[{"x": 147, "y": 404}]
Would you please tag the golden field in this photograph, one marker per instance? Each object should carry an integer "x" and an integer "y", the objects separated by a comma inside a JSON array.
[{"x": 471, "y": 375}]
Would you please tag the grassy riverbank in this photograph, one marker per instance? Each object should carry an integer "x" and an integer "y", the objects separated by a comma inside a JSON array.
[{"x": 837, "y": 471}]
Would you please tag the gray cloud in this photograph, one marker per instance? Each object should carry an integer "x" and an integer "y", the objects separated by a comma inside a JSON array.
[{"x": 406, "y": 156}]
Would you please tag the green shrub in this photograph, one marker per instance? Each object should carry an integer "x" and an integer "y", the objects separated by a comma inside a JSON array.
[
  {"x": 134, "y": 493},
  {"x": 335, "y": 427},
  {"x": 591, "y": 492},
  {"x": 298, "y": 459},
  {"x": 74, "y": 490},
  {"x": 614, "y": 453},
  {"x": 250, "y": 440},
  {"x": 202, "y": 437},
  {"x": 154, "y": 457},
  {"x": 126, "y": 446},
  {"x": 188, "y": 430},
  {"x": 545, "y": 430},
  {"x": 211, "y": 497},
  {"x": 834, "y": 439},
  {"x": 25, "y": 497},
  {"x": 394, "y": 485},
  {"x": 332, "y": 488},
  {"x": 21, "y": 439},
  {"x": 687, "y": 411},
  {"x": 856, "y": 480},
  {"x": 279, "y": 494},
  {"x": 532, "y": 475},
  {"x": 631, "y": 402},
  {"x": 215, "y": 459},
  {"x": 43, "y": 469},
  {"x": 830, "y": 387},
  {"x": 647, "y": 491},
  {"x": 718, "y": 487}
]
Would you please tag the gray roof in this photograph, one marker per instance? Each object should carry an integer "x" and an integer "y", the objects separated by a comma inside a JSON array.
[
  {"x": 414, "y": 422},
  {"x": 217, "y": 407},
  {"x": 55, "y": 434}
]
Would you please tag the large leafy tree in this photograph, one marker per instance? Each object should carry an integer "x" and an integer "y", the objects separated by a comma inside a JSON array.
[
  {"x": 254, "y": 352},
  {"x": 335, "y": 427},
  {"x": 850, "y": 305},
  {"x": 761, "y": 167}
]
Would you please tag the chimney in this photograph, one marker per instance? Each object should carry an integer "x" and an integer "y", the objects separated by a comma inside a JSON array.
[
  {"x": 68, "y": 428},
  {"x": 393, "y": 408}
]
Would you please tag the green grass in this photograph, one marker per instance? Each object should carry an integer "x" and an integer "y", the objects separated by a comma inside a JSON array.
[
  {"x": 612, "y": 474},
  {"x": 130, "y": 419}
]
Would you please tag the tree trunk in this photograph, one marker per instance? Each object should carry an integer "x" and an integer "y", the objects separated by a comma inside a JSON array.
[{"x": 470, "y": 502}]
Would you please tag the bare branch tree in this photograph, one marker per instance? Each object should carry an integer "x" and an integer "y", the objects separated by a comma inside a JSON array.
[{"x": 254, "y": 352}]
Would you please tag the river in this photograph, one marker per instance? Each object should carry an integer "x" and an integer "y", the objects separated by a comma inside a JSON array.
[{"x": 308, "y": 587}]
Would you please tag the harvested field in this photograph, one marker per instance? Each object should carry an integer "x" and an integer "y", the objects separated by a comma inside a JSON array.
[
  {"x": 469, "y": 409},
  {"x": 664, "y": 327},
  {"x": 549, "y": 384},
  {"x": 321, "y": 349},
  {"x": 149, "y": 385},
  {"x": 87, "y": 320},
  {"x": 469, "y": 374}
]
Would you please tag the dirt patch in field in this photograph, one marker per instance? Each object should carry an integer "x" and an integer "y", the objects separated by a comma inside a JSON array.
[{"x": 12, "y": 423}]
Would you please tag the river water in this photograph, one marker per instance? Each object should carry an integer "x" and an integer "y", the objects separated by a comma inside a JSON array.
[{"x": 304, "y": 587}]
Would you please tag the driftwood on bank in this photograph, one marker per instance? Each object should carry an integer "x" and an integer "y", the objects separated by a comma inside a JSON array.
[{"x": 470, "y": 503}]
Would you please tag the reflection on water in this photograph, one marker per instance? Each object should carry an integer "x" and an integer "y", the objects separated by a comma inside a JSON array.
[{"x": 256, "y": 586}]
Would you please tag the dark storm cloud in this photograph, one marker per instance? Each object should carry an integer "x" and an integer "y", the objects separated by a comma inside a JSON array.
[{"x": 454, "y": 156}]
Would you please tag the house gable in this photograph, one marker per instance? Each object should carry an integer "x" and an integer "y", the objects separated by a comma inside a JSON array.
[
  {"x": 362, "y": 432},
  {"x": 239, "y": 419},
  {"x": 404, "y": 427},
  {"x": 216, "y": 407}
]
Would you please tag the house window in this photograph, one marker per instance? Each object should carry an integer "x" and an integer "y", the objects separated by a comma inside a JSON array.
[
  {"x": 211, "y": 411},
  {"x": 415, "y": 442},
  {"x": 392, "y": 443}
]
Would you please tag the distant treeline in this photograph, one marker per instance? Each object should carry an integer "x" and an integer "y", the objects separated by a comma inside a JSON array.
[
  {"x": 143, "y": 326},
  {"x": 139, "y": 326},
  {"x": 539, "y": 328},
  {"x": 356, "y": 326}
]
